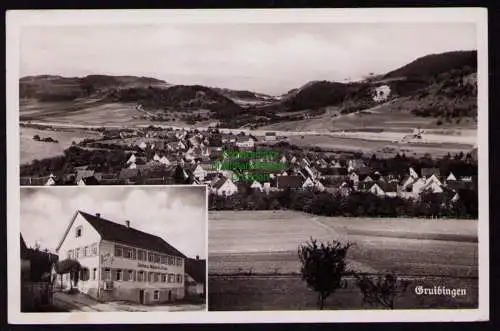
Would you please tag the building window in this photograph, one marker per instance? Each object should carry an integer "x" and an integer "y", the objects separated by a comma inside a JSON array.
[
  {"x": 94, "y": 274},
  {"x": 150, "y": 277},
  {"x": 170, "y": 278},
  {"x": 157, "y": 258},
  {"x": 163, "y": 278},
  {"x": 140, "y": 276},
  {"x": 118, "y": 250},
  {"x": 141, "y": 255},
  {"x": 119, "y": 275},
  {"x": 107, "y": 274},
  {"x": 150, "y": 257},
  {"x": 178, "y": 279},
  {"x": 131, "y": 275},
  {"x": 163, "y": 259},
  {"x": 157, "y": 277},
  {"x": 94, "y": 249},
  {"x": 77, "y": 253},
  {"x": 170, "y": 260},
  {"x": 127, "y": 253},
  {"x": 156, "y": 295},
  {"x": 134, "y": 253},
  {"x": 78, "y": 232},
  {"x": 86, "y": 251}
]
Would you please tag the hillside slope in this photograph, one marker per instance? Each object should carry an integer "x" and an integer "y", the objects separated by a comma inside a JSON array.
[{"x": 58, "y": 88}]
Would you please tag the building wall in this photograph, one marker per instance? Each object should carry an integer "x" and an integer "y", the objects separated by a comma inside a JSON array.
[
  {"x": 89, "y": 237},
  {"x": 130, "y": 289}
]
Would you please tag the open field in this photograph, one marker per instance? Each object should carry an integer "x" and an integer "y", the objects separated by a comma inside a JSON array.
[
  {"x": 91, "y": 112},
  {"x": 267, "y": 242},
  {"x": 393, "y": 114},
  {"x": 254, "y": 262},
  {"x": 31, "y": 149},
  {"x": 290, "y": 293},
  {"x": 378, "y": 146}
]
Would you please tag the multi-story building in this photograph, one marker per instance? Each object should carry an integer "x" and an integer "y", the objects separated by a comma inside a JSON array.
[{"x": 119, "y": 262}]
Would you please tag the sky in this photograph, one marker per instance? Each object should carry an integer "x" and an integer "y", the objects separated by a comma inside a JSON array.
[
  {"x": 263, "y": 57},
  {"x": 176, "y": 214}
]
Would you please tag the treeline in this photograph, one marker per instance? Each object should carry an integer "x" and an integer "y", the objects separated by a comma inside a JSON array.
[
  {"x": 179, "y": 96},
  {"x": 99, "y": 160},
  {"x": 357, "y": 204}
]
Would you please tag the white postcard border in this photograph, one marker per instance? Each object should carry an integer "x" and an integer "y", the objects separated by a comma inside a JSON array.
[{"x": 15, "y": 20}]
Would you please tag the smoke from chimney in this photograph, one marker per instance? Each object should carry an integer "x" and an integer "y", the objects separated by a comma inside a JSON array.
[{"x": 127, "y": 224}]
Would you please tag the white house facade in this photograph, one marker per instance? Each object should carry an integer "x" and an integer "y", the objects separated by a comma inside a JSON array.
[{"x": 121, "y": 263}]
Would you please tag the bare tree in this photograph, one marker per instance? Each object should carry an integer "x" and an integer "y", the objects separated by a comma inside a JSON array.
[
  {"x": 323, "y": 266},
  {"x": 381, "y": 290}
]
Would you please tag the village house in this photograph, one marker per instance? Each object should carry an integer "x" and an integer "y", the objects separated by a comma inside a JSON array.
[
  {"x": 256, "y": 185},
  {"x": 224, "y": 186},
  {"x": 195, "y": 278},
  {"x": 38, "y": 181},
  {"x": 245, "y": 142},
  {"x": 197, "y": 171},
  {"x": 119, "y": 262},
  {"x": 270, "y": 136}
]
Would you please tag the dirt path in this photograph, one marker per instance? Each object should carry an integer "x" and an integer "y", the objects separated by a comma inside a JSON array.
[{"x": 81, "y": 303}]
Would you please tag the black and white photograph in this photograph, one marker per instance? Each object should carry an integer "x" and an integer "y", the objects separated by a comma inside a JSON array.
[
  {"x": 123, "y": 249},
  {"x": 344, "y": 154}
]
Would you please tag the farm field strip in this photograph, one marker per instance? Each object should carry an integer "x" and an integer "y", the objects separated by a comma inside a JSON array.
[
  {"x": 291, "y": 293},
  {"x": 243, "y": 241}
]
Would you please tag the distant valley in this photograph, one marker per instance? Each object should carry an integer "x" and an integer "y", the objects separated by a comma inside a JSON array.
[{"x": 433, "y": 92}]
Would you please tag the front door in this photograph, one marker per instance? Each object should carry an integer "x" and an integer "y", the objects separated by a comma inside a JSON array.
[
  {"x": 169, "y": 296},
  {"x": 141, "y": 297}
]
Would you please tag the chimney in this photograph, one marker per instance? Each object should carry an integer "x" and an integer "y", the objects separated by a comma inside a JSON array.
[
  {"x": 197, "y": 257},
  {"x": 127, "y": 224},
  {"x": 98, "y": 215}
]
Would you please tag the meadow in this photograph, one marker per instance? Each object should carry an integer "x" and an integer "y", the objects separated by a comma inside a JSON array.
[
  {"x": 255, "y": 249},
  {"x": 36, "y": 150},
  {"x": 291, "y": 293}
]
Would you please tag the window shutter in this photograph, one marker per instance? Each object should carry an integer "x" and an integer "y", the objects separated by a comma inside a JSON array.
[
  {"x": 125, "y": 275},
  {"x": 134, "y": 275}
]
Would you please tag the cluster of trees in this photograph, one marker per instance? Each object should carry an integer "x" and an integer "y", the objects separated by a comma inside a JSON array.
[
  {"x": 47, "y": 140},
  {"x": 356, "y": 204},
  {"x": 180, "y": 96},
  {"x": 99, "y": 160},
  {"x": 324, "y": 269}
]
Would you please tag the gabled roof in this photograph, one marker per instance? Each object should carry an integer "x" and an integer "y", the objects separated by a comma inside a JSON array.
[
  {"x": 196, "y": 269},
  {"x": 80, "y": 174},
  {"x": 115, "y": 232},
  {"x": 427, "y": 172},
  {"x": 387, "y": 187},
  {"x": 218, "y": 184},
  {"x": 24, "y": 249},
  {"x": 90, "y": 181}
]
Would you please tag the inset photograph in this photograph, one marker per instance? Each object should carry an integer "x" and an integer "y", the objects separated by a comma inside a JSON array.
[{"x": 113, "y": 248}]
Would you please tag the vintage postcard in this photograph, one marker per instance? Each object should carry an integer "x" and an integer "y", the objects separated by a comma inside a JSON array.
[{"x": 338, "y": 156}]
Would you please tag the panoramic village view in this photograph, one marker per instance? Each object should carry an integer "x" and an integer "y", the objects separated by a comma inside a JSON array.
[{"x": 345, "y": 192}]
